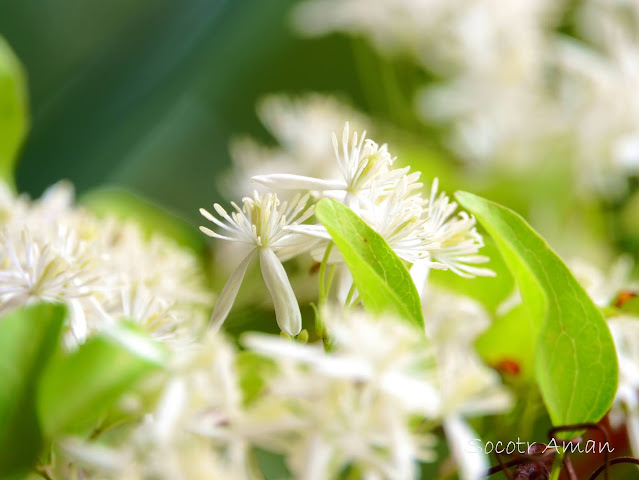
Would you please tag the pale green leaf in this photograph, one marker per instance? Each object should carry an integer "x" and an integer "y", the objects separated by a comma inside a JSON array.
[
  {"x": 382, "y": 280},
  {"x": 576, "y": 364}
]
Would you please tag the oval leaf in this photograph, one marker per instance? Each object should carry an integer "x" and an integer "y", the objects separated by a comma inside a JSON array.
[
  {"x": 576, "y": 363},
  {"x": 382, "y": 280}
]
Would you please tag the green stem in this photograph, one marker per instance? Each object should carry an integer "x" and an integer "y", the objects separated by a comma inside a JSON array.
[
  {"x": 323, "y": 293},
  {"x": 349, "y": 297},
  {"x": 557, "y": 466}
]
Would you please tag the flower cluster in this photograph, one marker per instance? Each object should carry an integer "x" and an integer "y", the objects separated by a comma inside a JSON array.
[
  {"x": 104, "y": 270},
  {"x": 425, "y": 232},
  {"x": 494, "y": 61},
  {"x": 371, "y": 405}
]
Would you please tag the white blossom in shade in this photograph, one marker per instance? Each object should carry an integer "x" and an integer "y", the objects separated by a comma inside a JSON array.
[
  {"x": 362, "y": 163},
  {"x": 455, "y": 235},
  {"x": 360, "y": 399},
  {"x": 301, "y": 125},
  {"x": 260, "y": 225}
]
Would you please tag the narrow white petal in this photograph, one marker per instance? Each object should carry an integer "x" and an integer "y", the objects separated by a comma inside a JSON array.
[
  {"x": 472, "y": 464},
  {"x": 419, "y": 273},
  {"x": 276, "y": 347},
  {"x": 287, "y": 311},
  {"x": 286, "y": 181},
  {"x": 310, "y": 230},
  {"x": 229, "y": 292}
]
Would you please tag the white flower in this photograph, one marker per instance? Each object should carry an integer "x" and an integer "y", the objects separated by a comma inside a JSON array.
[
  {"x": 604, "y": 288},
  {"x": 199, "y": 427},
  {"x": 260, "y": 225},
  {"x": 60, "y": 268},
  {"x": 357, "y": 401},
  {"x": 468, "y": 387},
  {"x": 456, "y": 237},
  {"x": 385, "y": 352},
  {"x": 599, "y": 75},
  {"x": 362, "y": 164},
  {"x": 51, "y": 250}
]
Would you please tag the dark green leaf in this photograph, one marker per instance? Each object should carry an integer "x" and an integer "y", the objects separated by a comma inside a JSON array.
[
  {"x": 576, "y": 363},
  {"x": 382, "y": 280}
]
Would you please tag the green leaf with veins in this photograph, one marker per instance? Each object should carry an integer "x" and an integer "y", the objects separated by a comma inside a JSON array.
[
  {"x": 575, "y": 359},
  {"x": 381, "y": 278}
]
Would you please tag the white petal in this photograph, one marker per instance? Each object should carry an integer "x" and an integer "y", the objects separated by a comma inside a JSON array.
[
  {"x": 419, "y": 273},
  {"x": 277, "y": 347},
  {"x": 286, "y": 181},
  {"x": 310, "y": 230},
  {"x": 229, "y": 292},
  {"x": 287, "y": 311},
  {"x": 472, "y": 465}
]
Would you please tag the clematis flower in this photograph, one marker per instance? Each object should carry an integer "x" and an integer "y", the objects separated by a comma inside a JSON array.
[
  {"x": 362, "y": 164},
  {"x": 261, "y": 225}
]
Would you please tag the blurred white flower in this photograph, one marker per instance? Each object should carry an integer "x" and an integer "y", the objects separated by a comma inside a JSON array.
[
  {"x": 52, "y": 250},
  {"x": 625, "y": 332},
  {"x": 199, "y": 428},
  {"x": 468, "y": 387},
  {"x": 386, "y": 352},
  {"x": 604, "y": 288},
  {"x": 599, "y": 78},
  {"x": 359, "y": 400},
  {"x": 260, "y": 225}
]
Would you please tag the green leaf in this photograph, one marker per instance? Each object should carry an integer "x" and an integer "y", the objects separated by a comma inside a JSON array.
[
  {"x": 13, "y": 110},
  {"x": 28, "y": 339},
  {"x": 576, "y": 364},
  {"x": 507, "y": 343},
  {"x": 631, "y": 306},
  {"x": 383, "y": 283},
  {"x": 78, "y": 388}
]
